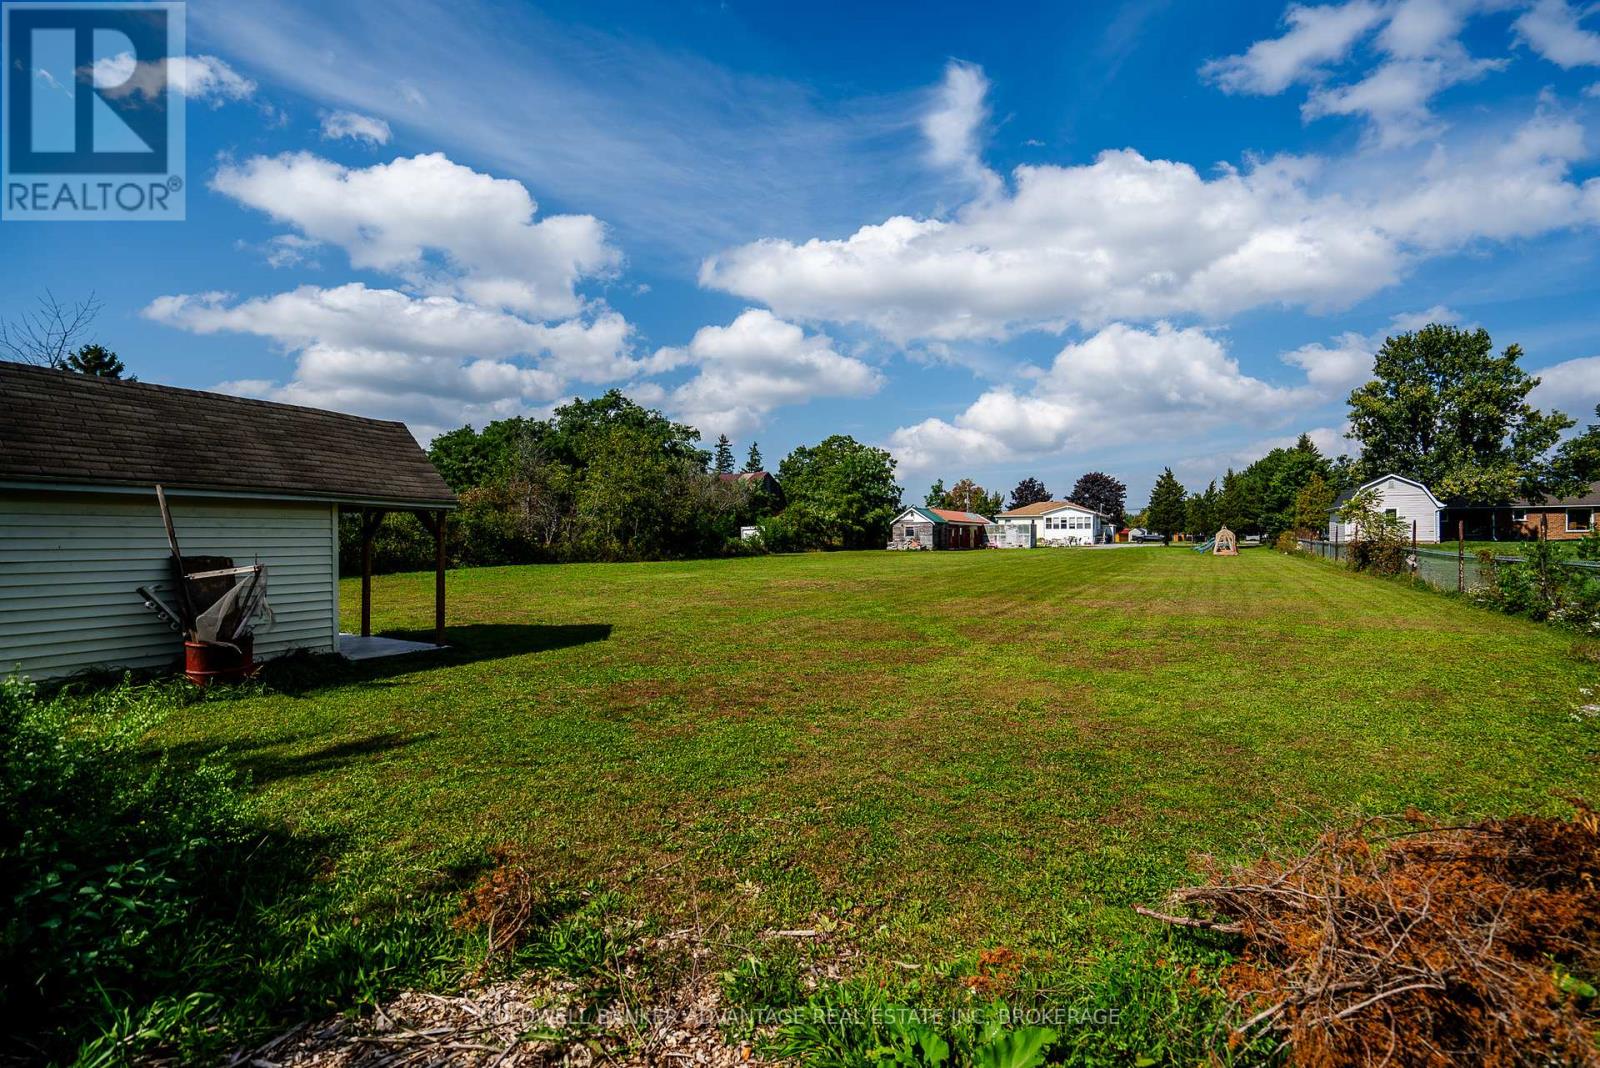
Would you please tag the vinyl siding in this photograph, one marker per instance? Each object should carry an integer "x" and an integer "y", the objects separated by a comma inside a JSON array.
[
  {"x": 1052, "y": 535},
  {"x": 69, "y": 564},
  {"x": 1411, "y": 504}
]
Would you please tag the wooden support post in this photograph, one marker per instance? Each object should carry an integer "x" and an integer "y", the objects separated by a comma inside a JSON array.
[
  {"x": 433, "y": 523},
  {"x": 370, "y": 518},
  {"x": 438, "y": 578},
  {"x": 1461, "y": 555}
]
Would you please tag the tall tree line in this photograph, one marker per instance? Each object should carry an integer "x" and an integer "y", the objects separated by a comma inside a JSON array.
[
  {"x": 607, "y": 479},
  {"x": 1442, "y": 407}
]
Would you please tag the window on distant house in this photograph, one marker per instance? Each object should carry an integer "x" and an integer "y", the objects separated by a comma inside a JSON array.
[
  {"x": 1579, "y": 519},
  {"x": 1390, "y": 512},
  {"x": 1519, "y": 515}
]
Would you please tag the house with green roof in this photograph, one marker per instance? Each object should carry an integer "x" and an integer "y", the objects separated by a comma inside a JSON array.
[{"x": 921, "y": 527}]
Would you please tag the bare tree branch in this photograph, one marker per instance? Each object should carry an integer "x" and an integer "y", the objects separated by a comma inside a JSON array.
[{"x": 48, "y": 334}]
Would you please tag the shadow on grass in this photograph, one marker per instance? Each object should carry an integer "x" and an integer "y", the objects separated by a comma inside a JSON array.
[
  {"x": 262, "y": 761},
  {"x": 301, "y": 675}
]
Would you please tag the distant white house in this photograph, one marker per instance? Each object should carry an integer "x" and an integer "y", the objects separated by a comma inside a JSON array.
[
  {"x": 1404, "y": 498},
  {"x": 1059, "y": 523}
]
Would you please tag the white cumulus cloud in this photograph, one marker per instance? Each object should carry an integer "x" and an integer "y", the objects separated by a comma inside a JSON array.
[
  {"x": 1572, "y": 386},
  {"x": 358, "y": 318},
  {"x": 393, "y": 216},
  {"x": 755, "y": 364},
  {"x": 1335, "y": 367},
  {"x": 1131, "y": 238},
  {"x": 1121, "y": 383}
]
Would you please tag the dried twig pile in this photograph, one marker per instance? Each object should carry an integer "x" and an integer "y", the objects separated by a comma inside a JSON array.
[
  {"x": 504, "y": 902},
  {"x": 1432, "y": 946}
]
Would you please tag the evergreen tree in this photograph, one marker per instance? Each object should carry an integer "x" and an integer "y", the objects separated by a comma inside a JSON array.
[
  {"x": 1200, "y": 512},
  {"x": 752, "y": 460},
  {"x": 96, "y": 360},
  {"x": 724, "y": 455},
  {"x": 1029, "y": 491},
  {"x": 935, "y": 495},
  {"x": 1165, "y": 513},
  {"x": 1236, "y": 503}
]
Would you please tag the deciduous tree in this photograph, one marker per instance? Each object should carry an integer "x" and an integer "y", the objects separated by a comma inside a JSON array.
[
  {"x": 47, "y": 334},
  {"x": 1028, "y": 491},
  {"x": 1577, "y": 462},
  {"x": 1444, "y": 409},
  {"x": 1312, "y": 505},
  {"x": 968, "y": 496},
  {"x": 843, "y": 492},
  {"x": 1103, "y": 493}
]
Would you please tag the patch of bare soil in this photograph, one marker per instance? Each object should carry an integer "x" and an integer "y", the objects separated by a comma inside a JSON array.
[{"x": 520, "y": 1023}]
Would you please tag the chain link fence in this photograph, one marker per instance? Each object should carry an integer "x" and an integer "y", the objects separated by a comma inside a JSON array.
[{"x": 1441, "y": 568}]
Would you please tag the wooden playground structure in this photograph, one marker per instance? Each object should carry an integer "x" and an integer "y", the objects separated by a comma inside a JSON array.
[{"x": 1222, "y": 543}]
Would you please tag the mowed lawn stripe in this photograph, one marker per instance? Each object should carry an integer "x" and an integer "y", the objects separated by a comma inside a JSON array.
[{"x": 992, "y": 747}]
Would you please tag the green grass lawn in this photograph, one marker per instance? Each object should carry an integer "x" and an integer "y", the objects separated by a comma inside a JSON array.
[{"x": 939, "y": 752}]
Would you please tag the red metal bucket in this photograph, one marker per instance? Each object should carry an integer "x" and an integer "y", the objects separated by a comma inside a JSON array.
[{"x": 205, "y": 664}]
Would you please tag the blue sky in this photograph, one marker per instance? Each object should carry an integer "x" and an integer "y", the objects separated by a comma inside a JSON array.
[{"x": 1054, "y": 239}]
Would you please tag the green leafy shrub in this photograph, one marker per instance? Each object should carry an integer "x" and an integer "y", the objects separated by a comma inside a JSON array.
[
  {"x": 146, "y": 910},
  {"x": 1588, "y": 547},
  {"x": 105, "y": 860},
  {"x": 1379, "y": 544},
  {"x": 787, "y": 532},
  {"x": 1541, "y": 587}
]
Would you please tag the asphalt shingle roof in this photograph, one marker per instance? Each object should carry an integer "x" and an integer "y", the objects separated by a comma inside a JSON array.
[
  {"x": 62, "y": 427},
  {"x": 1591, "y": 499},
  {"x": 1041, "y": 507}
]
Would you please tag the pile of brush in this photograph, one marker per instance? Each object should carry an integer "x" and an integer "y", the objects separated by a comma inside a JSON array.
[{"x": 1406, "y": 943}]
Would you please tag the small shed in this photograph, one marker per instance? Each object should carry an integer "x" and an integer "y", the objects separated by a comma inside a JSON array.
[
  {"x": 921, "y": 527},
  {"x": 80, "y": 528},
  {"x": 1404, "y": 498}
]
